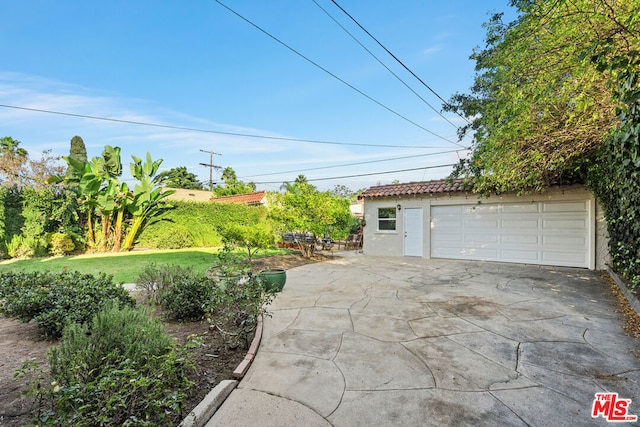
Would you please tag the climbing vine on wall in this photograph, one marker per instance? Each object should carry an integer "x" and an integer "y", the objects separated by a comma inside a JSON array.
[{"x": 615, "y": 174}]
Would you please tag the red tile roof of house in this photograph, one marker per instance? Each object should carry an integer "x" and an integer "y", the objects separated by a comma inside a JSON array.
[
  {"x": 439, "y": 186},
  {"x": 256, "y": 198}
]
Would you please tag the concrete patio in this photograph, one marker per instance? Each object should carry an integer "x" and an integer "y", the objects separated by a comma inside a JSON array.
[{"x": 362, "y": 341}]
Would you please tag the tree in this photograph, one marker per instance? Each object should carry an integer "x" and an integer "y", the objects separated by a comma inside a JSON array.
[
  {"x": 17, "y": 169},
  {"x": 614, "y": 175},
  {"x": 12, "y": 160},
  {"x": 251, "y": 232},
  {"x": 303, "y": 209},
  {"x": 77, "y": 149},
  {"x": 539, "y": 107},
  {"x": 295, "y": 185},
  {"x": 343, "y": 191},
  {"x": 77, "y": 152},
  {"x": 109, "y": 204},
  {"x": 232, "y": 185},
  {"x": 96, "y": 183},
  {"x": 180, "y": 178},
  {"x": 147, "y": 196},
  {"x": 40, "y": 170},
  {"x": 557, "y": 97}
]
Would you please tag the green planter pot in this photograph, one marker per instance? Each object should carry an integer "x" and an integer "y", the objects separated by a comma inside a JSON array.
[{"x": 273, "y": 279}]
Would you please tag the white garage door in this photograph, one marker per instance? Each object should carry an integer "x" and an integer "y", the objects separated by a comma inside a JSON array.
[{"x": 549, "y": 233}]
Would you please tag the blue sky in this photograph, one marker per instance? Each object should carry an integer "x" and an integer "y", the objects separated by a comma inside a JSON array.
[{"x": 194, "y": 64}]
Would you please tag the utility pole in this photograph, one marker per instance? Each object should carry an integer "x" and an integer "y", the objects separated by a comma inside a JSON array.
[{"x": 211, "y": 166}]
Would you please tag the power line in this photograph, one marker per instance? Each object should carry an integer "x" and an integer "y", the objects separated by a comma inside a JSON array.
[
  {"x": 385, "y": 66},
  {"x": 352, "y": 164},
  {"x": 246, "y": 135},
  {"x": 395, "y": 57},
  {"x": 365, "y": 174},
  {"x": 332, "y": 74}
]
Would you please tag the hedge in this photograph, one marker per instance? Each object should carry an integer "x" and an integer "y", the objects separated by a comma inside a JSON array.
[{"x": 194, "y": 224}]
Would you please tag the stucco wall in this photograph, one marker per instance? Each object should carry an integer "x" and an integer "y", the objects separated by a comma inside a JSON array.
[
  {"x": 388, "y": 243},
  {"x": 602, "y": 240}
]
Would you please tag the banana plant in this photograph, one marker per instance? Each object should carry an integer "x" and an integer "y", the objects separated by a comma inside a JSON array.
[
  {"x": 122, "y": 201},
  {"x": 147, "y": 196},
  {"x": 99, "y": 192}
]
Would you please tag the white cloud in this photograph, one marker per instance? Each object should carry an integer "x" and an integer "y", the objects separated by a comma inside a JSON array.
[{"x": 431, "y": 50}]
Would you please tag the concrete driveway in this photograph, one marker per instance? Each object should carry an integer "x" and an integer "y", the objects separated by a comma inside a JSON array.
[{"x": 364, "y": 341}]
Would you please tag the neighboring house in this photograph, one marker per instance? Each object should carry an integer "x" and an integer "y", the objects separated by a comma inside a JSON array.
[
  {"x": 439, "y": 219},
  {"x": 257, "y": 198},
  {"x": 190, "y": 195},
  {"x": 357, "y": 208}
]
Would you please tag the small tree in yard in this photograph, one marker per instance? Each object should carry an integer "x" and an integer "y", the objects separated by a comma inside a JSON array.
[
  {"x": 304, "y": 209},
  {"x": 249, "y": 230},
  {"x": 251, "y": 237}
]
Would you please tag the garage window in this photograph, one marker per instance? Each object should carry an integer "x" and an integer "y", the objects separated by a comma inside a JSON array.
[{"x": 386, "y": 219}]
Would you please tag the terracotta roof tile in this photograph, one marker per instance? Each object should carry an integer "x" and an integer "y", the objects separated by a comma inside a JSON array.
[
  {"x": 249, "y": 199},
  {"x": 416, "y": 188}
]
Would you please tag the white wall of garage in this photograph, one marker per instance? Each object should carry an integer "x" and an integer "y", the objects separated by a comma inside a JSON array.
[{"x": 563, "y": 226}]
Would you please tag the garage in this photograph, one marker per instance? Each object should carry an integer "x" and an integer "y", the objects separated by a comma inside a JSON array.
[
  {"x": 563, "y": 226},
  {"x": 547, "y": 233}
]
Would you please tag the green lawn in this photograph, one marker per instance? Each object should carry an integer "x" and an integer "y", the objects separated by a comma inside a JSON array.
[{"x": 124, "y": 267}]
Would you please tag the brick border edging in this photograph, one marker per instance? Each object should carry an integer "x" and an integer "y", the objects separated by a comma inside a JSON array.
[
  {"x": 243, "y": 367},
  {"x": 202, "y": 413},
  {"x": 633, "y": 301}
]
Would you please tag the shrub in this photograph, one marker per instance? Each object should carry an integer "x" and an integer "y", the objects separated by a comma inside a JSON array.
[
  {"x": 176, "y": 238},
  {"x": 201, "y": 221},
  {"x": 119, "y": 369},
  {"x": 53, "y": 299},
  {"x": 60, "y": 244},
  {"x": 239, "y": 300},
  {"x": 26, "y": 247},
  {"x": 188, "y": 298},
  {"x": 157, "y": 279},
  {"x": 14, "y": 245}
]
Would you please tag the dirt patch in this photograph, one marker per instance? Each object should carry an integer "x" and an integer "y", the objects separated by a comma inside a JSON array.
[{"x": 20, "y": 342}]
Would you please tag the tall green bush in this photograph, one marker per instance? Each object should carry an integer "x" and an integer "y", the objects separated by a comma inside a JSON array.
[
  {"x": 28, "y": 216},
  {"x": 11, "y": 219},
  {"x": 615, "y": 174},
  {"x": 193, "y": 224}
]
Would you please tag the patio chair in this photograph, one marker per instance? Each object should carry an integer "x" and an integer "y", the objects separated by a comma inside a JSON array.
[
  {"x": 355, "y": 243},
  {"x": 345, "y": 243},
  {"x": 288, "y": 240},
  {"x": 326, "y": 243}
]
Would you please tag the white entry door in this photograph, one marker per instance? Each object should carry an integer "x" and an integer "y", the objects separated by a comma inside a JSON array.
[{"x": 413, "y": 232}]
